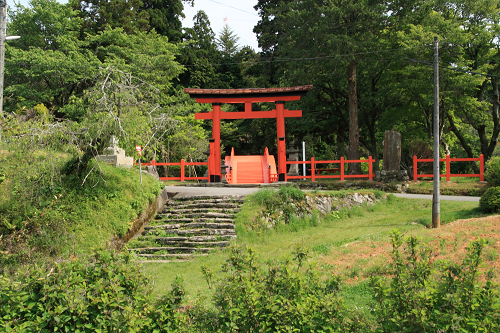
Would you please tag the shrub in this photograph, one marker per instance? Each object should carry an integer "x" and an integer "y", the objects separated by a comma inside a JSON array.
[
  {"x": 282, "y": 202},
  {"x": 279, "y": 298},
  {"x": 104, "y": 292},
  {"x": 490, "y": 200},
  {"x": 435, "y": 297},
  {"x": 492, "y": 173}
]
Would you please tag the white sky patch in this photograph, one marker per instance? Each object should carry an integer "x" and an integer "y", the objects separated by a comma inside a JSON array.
[{"x": 241, "y": 18}]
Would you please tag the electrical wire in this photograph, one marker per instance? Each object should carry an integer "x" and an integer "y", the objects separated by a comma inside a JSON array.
[
  {"x": 241, "y": 10},
  {"x": 450, "y": 68}
]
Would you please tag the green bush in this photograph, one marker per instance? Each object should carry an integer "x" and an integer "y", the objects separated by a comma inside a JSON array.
[
  {"x": 104, "y": 292},
  {"x": 490, "y": 200},
  {"x": 492, "y": 173},
  {"x": 423, "y": 296},
  {"x": 278, "y": 298},
  {"x": 2, "y": 176},
  {"x": 284, "y": 200},
  {"x": 40, "y": 218}
]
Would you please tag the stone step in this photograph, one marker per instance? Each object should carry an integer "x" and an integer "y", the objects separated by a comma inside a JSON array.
[
  {"x": 193, "y": 221},
  {"x": 197, "y": 225},
  {"x": 170, "y": 250},
  {"x": 226, "y": 205},
  {"x": 197, "y": 231},
  {"x": 158, "y": 261},
  {"x": 189, "y": 214},
  {"x": 193, "y": 225},
  {"x": 181, "y": 256},
  {"x": 179, "y": 220},
  {"x": 169, "y": 241},
  {"x": 175, "y": 211},
  {"x": 206, "y": 198},
  {"x": 196, "y": 237}
]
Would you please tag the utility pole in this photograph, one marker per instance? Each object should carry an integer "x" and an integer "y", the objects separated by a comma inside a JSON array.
[
  {"x": 435, "y": 197},
  {"x": 3, "y": 34}
]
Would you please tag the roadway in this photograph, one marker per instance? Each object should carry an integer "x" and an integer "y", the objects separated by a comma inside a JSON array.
[{"x": 212, "y": 190}]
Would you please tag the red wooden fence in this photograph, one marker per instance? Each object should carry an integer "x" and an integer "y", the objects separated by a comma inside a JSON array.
[
  {"x": 342, "y": 162},
  {"x": 182, "y": 164},
  {"x": 448, "y": 161}
]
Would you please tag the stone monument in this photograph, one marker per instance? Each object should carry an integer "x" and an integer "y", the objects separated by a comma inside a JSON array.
[
  {"x": 293, "y": 155},
  {"x": 392, "y": 160},
  {"x": 115, "y": 155}
]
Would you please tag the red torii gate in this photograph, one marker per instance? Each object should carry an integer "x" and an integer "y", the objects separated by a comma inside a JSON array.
[{"x": 247, "y": 96}]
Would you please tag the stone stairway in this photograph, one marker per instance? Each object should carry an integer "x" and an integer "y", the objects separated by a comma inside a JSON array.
[{"x": 187, "y": 227}]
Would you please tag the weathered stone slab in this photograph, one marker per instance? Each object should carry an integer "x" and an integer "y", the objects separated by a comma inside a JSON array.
[{"x": 392, "y": 150}]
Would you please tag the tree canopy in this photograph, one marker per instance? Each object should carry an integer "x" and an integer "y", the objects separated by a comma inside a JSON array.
[{"x": 370, "y": 62}]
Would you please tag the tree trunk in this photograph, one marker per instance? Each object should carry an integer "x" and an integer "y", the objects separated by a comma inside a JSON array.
[
  {"x": 340, "y": 142},
  {"x": 353, "y": 168},
  {"x": 496, "y": 119},
  {"x": 373, "y": 149},
  {"x": 464, "y": 144}
]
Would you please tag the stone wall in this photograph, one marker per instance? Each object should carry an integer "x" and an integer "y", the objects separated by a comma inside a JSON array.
[{"x": 319, "y": 203}]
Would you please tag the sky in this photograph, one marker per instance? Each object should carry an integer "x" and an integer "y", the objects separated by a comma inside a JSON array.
[{"x": 240, "y": 16}]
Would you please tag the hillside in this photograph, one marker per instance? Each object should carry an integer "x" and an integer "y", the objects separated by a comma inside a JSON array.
[{"x": 46, "y": 212}]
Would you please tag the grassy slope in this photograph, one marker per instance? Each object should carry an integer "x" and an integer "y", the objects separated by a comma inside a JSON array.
[
  {"x": 360, "y": 224},
  {"x": 61, "y": 217}
]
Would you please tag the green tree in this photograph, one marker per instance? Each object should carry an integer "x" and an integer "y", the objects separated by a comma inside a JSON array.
[
  {"x": 227, "y": 42},
  {"x": 321, "y": 31},
  {"x": 469, "y": 116},
  {"x": 53, "y": 64},
  {"x": 199, "y": 54},
  {"x": 99, "y": 14},
  {"x": 165, "y": 17},
  {"x": 48, "y": 65}
]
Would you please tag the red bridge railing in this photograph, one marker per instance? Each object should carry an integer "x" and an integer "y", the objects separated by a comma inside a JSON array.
[
  {"x": 448, "y": 173},
  {"x": 342, "y": 163},
  {"x": 183, "y": 165}
]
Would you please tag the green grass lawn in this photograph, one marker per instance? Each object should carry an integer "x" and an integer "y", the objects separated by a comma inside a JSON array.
[
  {"x": 360, "y": 223},
  {"x": 457, "y": 186}
]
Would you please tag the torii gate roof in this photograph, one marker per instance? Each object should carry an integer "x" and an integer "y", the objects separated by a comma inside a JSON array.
[{"x": 251, "y": 95}]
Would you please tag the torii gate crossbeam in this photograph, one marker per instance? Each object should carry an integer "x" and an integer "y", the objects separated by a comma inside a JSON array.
[{"x": 248, "y": 96}]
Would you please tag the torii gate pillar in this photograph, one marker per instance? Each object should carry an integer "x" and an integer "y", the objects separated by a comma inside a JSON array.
[
  {"x": 280, "y": 125},
  {"x": 247, "y": 97},
  {"x": 215, "y": 176}
]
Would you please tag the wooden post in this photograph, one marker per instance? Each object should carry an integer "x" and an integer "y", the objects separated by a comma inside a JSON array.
[
  {"x": 313, "y": 171},
  {"x": 481, "y": 168},
  {"x": 183, "y": 176},
  {"x": 436, "y": 203},
  {"x": 370, "y": 168},
  {"x": 415, "y": 168},
  {"x": 342, "y": 167},
  {"x": 448, "y": 171}
]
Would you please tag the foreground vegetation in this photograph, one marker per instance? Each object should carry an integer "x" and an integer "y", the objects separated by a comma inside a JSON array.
[
  {"x": 274, "y": 279},
  {"x": 108, "y": 292}
]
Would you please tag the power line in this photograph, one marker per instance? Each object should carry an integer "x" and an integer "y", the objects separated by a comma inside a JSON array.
[
  {"x": 272, "y": 60},
  {"x": 241, "y": 10},
  {"x": 451, "y": 68}
]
